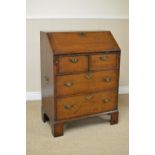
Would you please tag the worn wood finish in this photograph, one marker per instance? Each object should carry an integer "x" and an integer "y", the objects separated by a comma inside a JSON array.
[
  {"x": 79, "y": 77},
  {"x": 103, "y": 61},
  {"x": 80, "y": 42},
  {"x": 80, "y": 105},
  {"x": 71, "y": 64},
  {"x": 86, "y": 82}
]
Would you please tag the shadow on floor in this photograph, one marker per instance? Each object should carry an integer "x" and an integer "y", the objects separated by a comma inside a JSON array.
[{"x": 86, "y": 122}]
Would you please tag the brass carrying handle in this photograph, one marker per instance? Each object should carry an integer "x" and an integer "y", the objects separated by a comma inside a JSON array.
[
  {"x": 106, "y": 100},
  {"x": 46, "y": 79},
  {"x": 107, "y": 79},
  {"x": 68, "y": 106},
  {"x": 89, "y": 75},
  {"x": 74, "y": 60},
  {"x": 103, "y": 57},
  {"x": 88, "y": 97},
  {"x": 68, "y": 84}
]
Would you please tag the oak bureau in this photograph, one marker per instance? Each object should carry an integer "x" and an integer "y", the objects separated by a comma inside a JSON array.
[{"x": 79, "y": 77}]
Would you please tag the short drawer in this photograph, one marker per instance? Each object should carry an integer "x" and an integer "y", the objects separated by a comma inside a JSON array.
[
  {"x": 71, "y": 64},
  {"x": 103, "y": 61},
  {"x": 75, "y": 106},
  {"x": 86, "y": 82}
]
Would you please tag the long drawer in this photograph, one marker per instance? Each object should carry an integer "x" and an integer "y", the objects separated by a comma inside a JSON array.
[
  {"x": 80, "y": 105},
  {"x": 86, "y": 82}
]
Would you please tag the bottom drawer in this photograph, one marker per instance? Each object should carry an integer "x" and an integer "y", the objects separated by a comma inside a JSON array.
[{"x": 81, "y": 105}]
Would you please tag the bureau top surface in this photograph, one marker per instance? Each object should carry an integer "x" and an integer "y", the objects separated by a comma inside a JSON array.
[{"x": 82, "y": 42}]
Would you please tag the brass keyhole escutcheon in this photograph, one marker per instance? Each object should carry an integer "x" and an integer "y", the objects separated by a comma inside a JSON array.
[
  {"x": 88, "y": 97},
  {"x": 82, "y": 34},
  {"x": 89, "y": 75}
]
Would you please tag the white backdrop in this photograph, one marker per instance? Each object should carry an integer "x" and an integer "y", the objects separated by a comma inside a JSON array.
[{"x": 77, "y": 9}]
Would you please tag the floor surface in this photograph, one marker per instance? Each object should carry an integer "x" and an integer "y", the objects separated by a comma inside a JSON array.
[{"x": 92, "y": 136}]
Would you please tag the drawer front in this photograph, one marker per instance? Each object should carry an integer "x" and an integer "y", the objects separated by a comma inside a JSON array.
[
  {"x": 71, "y": 64},
  {"x": 103, "y": 61},
  {"x": 86, "y": 82},
  {"x": 70, "y": 107}
]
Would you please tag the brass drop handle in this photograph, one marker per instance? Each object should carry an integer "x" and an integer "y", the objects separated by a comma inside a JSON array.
[
  {"x": 106, "y": 100},
  {"x": 103, "y": 57},
  {"x": 73, "y": 60},
  {"x": 68, "y": 84},
  {"x": 89, "y": 75},
  {"x": 107, "y": 79},
  {"x": 68, "y": 106},
  {"x": 88, "y": 97},
  {"x": 46, "y": 79}
]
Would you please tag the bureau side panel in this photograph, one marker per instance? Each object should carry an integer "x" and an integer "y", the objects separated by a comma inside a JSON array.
[
  {"x": 43, "y": 72},
  {"x": 47, "y": 79},
  {"x": 118, "y": 74}
]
